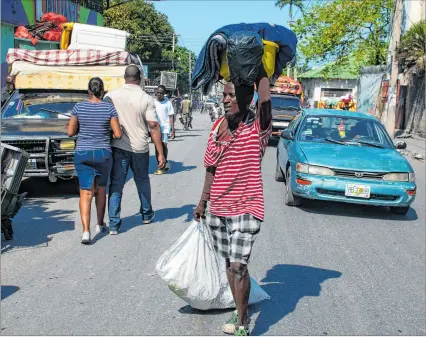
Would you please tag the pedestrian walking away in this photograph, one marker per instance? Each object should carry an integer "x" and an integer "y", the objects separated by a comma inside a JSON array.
[
  {"x": 186, "y": 111},
  {"x": 234, "y": 189},
  {"x": 165, "y": 115},
  {"x": 93, "y": 120},
  {"x": 136, "y": 111}
]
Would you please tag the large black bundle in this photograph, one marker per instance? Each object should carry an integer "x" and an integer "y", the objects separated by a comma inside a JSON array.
[{"x": 244, "y": 55}]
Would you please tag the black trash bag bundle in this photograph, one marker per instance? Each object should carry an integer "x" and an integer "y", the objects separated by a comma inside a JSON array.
[
  {"x": 207, "y": 68},
  {"x": 244, "y": 56}
]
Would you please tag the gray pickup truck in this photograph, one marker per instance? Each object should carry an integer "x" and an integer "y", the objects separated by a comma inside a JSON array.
[{"x": 35, "y": 121}]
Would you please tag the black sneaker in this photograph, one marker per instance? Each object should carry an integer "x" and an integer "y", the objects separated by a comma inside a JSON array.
[{"x": 149, "y": 218}]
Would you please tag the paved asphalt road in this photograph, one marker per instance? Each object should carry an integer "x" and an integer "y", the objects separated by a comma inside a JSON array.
[{"x": 329, "y": 268}]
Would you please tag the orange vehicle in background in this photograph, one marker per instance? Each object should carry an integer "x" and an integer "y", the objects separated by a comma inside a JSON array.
[
  {"x": 287, "y": 86},
  {"x": 287, "y": 100}
]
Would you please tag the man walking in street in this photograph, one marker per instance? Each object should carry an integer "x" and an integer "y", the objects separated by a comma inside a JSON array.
[
  {"x": 186, "y": 111},
  {"x": 165, "y": 114},
  {"x": 136, "y": 111},
  {"x": 233, "y": 186}
]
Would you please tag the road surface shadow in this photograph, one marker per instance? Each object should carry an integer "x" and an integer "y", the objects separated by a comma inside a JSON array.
[
  {"x": 7, "y": 291},
  {"x": 160, "y": 215},
  {"x": 41, "y": 188},
  {"x": 287, "y": 285},
  {"x": 273, "y": 142},
  {"x": 187, "y": 135},
  {"x": 188, "y": 310},
  {"x": 354, "y": 210},
  {"x": 176, "y": 166},
  {"x": 35, "y": 223}
]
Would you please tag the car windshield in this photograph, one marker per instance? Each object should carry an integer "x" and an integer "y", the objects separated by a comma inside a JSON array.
[
  {"x": 282, "y": 103},
  {"x": 344, "y": 131},
  {"x": 54, "y": 105}
]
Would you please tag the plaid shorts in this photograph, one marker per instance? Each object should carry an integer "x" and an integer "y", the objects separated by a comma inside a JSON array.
[{"x": 234, "y": 236}]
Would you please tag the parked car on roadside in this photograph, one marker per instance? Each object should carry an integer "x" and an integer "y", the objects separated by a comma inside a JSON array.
[
  {"x": 343, "y": 156},
  {"x": 35, "y": 121}
]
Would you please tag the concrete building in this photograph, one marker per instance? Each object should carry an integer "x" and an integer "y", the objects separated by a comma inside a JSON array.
[
  {"x": 321, "y": 85},
  {"x": 16, "y": 13},
  {"x": 407, "y": 13}
]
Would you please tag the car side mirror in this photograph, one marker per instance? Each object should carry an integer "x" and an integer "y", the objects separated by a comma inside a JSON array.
[
  {"x": 287, "y": 134},
  {"x": 401, "y": 145}
]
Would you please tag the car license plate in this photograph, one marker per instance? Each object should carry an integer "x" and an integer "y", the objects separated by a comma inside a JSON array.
[
  {"x": 280, "y": 124},
  {"x": 359, "y": 191},
  {"x": 31, "y": 164}
]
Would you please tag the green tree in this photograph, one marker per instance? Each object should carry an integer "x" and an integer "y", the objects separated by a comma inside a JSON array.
[
  {"x": 412, "y": 49},
  {"x": 181, "y": 58},
  {"x": 338, "y": 30},
  {"x": 290, "y": 3},
  {"x": 151, "y": 38},
  {"x": 151, "y": 33}
]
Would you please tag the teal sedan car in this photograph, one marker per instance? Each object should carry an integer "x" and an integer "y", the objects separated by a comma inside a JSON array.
[{"x": 343, "y": 156}]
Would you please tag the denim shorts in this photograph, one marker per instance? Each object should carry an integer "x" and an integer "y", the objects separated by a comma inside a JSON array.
[
  {"x": 90, "y": 164},
  {"x": 164, "y": 137}
]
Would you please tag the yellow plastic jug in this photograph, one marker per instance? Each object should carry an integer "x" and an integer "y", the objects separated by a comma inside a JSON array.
[
  {"x": 270, "y": 50},
  {"x": 66, "y": 35}
]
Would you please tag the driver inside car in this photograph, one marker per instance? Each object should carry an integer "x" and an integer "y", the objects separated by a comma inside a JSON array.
[{"x": 359, "y": 130}]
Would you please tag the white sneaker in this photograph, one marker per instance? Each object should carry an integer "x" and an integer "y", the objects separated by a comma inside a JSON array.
[
  {"x": 85, "y": 238},
  {"x": 100, "y": 228}
]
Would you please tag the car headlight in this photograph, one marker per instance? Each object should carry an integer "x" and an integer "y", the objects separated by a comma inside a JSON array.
[
  {"x": 302, "y": 168},
  {"x": 314, "y": 170},
  {"x": 396, "y": 177},
  {"x": 68, "y": 144},
  {"x": 411, "y": 177}
]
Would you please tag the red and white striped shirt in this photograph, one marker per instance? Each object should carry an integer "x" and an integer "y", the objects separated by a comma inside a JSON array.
[{"x": 237, "y": 187}]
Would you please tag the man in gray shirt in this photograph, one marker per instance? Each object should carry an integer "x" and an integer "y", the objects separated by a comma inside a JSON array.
[{"x": 136, "y": 112}]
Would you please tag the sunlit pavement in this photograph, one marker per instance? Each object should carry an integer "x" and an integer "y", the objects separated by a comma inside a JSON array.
[{"x": 330, "y": 269}]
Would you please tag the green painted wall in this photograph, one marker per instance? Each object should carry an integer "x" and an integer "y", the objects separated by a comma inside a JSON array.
[
  {"x": 29, "y": 10},
  {"x": 83, "y": 15},
  {"x": 100, "y": 20},
  {"x": 7, "y": 39}
]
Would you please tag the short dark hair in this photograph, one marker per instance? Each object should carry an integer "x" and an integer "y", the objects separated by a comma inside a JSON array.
[
  {"x": 96, "y": 86},
  {"x": 162, "y": 87},
  {"x": 132, "y": 72}
]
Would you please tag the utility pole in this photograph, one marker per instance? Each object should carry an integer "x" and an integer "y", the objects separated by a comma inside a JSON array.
[
  {"x": 189, "y": 76},
  {"x": 390, "y": 107},
  {"x": 173, "y": 52}
]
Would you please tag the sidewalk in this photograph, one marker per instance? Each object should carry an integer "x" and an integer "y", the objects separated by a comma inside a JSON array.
[{"x": 415, "y": 147}]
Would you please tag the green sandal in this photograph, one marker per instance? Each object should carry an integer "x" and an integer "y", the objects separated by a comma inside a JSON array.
[{"x": 230, "y": 326}]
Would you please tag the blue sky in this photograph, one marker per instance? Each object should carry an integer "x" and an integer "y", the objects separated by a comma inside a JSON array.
[{"x": 196, "y": 20}]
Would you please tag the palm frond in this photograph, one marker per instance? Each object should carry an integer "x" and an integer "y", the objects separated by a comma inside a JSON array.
[{"x": 412, "y": 49}]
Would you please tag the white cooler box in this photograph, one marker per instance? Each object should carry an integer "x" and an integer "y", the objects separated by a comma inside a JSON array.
[{"x": 98, "y": 38}]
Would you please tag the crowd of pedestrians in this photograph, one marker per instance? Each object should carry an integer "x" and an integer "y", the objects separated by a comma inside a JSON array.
[{"x": 113, "y": 137}]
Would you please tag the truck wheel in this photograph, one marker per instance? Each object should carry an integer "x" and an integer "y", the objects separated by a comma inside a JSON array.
[
  {"x": 76, "y": 185},
  {"x": 289, "y": 197},
  {"x": 278, "y": 173},
  {"x": 6, "y": 228},
  {"x": 400, "y": 210}
]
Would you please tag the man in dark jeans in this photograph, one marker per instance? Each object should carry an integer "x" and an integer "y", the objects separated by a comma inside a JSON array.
[{"x": 136, "y": 112}]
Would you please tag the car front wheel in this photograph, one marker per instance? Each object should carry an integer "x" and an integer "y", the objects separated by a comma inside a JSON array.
[
  {"x": 400, "y": 210},
  {"x": 289, "y": 197}
]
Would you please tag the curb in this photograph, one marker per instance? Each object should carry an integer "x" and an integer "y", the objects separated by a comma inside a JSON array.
[{"x": 411, "y": 154}]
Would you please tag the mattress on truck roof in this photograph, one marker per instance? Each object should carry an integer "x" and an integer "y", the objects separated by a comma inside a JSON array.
[{"x": 32, "y": 76}]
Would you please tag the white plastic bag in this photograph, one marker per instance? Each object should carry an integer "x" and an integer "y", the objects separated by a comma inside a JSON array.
[
  {"x": 190, "y": 267},
  {"x": 197, "y": 274}
]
